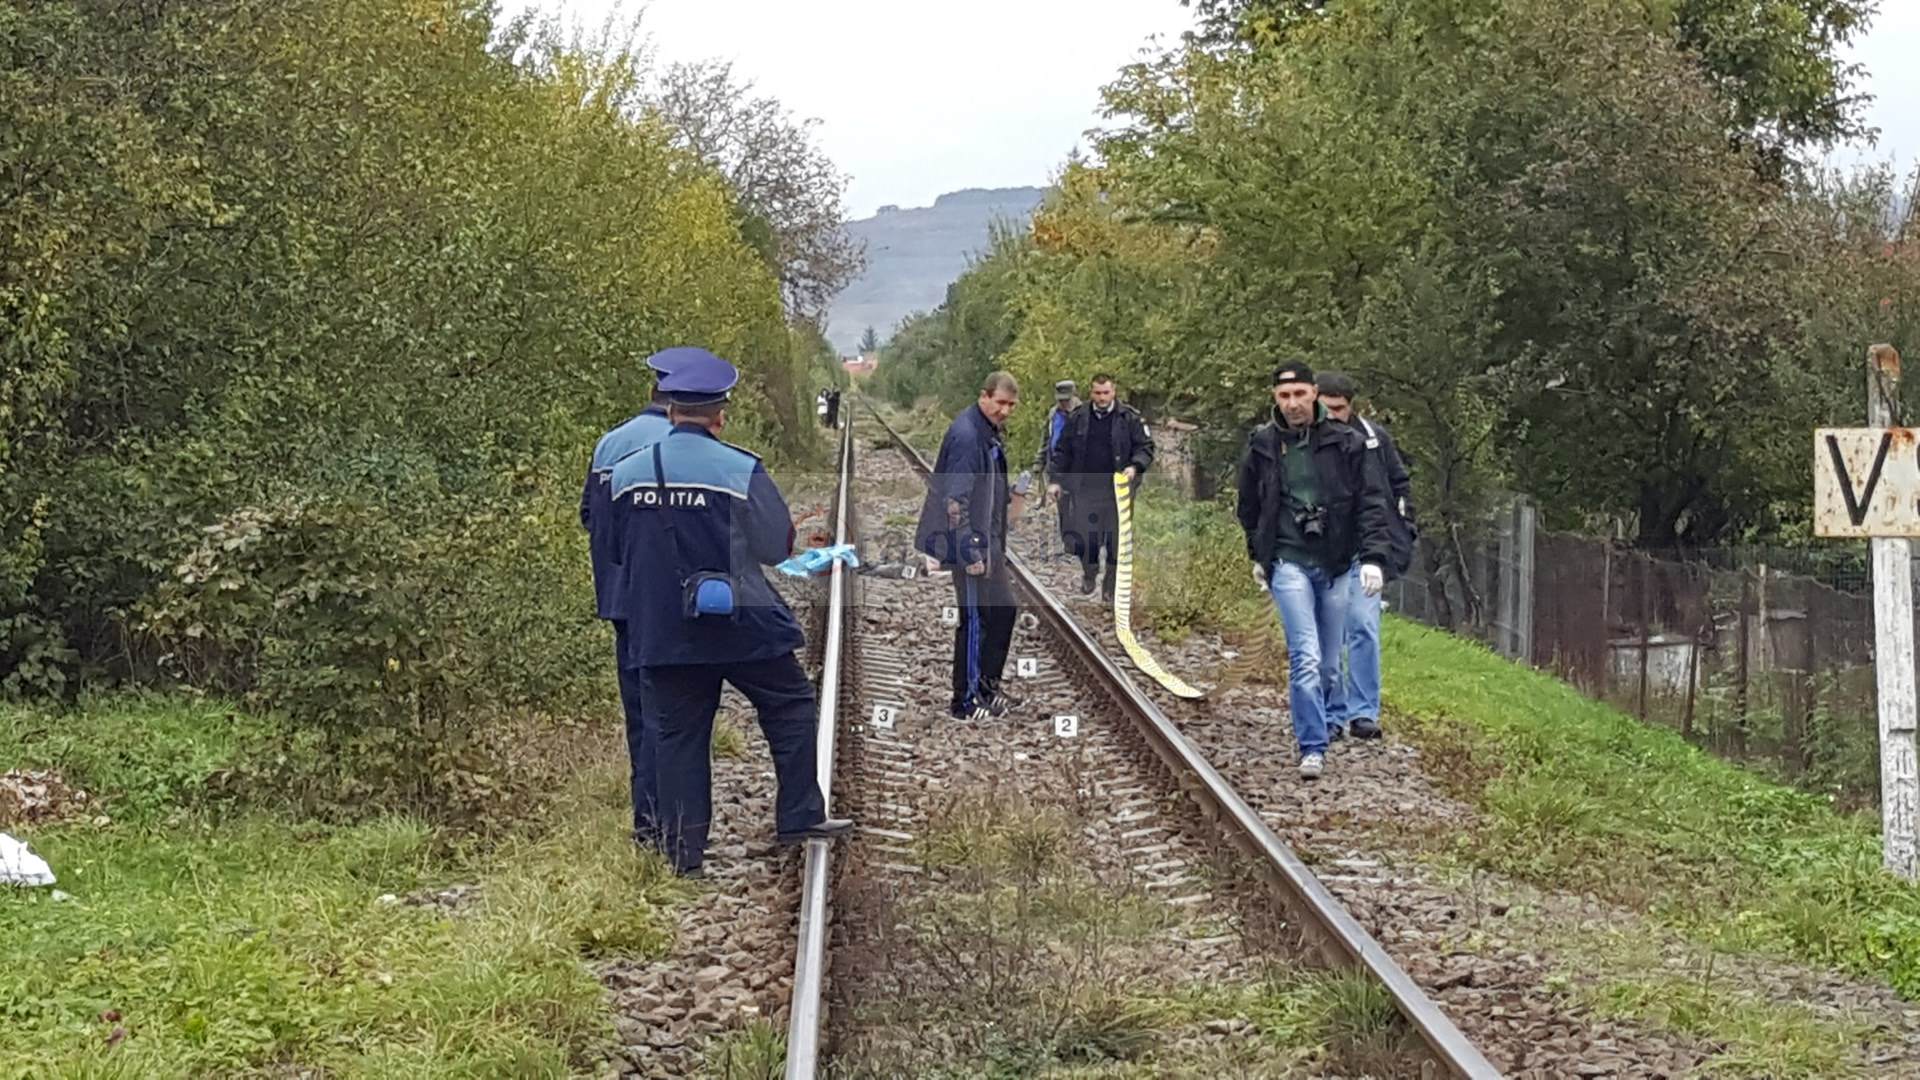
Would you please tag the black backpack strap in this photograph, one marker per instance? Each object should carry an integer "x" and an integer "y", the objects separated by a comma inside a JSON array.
[{"x": 673, "y": 536}]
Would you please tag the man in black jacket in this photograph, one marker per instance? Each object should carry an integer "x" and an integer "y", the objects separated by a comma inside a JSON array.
[
  {"x": 963, "y": 525},
  {"x": 1101, "y": 438},
  {"x": 1353, "y": 699},
  {"x": 1315, "y": 506},
  {"x": 1065, "y": 401}
]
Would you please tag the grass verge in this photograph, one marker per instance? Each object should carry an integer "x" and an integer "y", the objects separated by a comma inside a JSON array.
[
  {"x": 214, "y": 939},
  {"x": 1579, "y": 795},
  {"x": 1574, "y": 793}
]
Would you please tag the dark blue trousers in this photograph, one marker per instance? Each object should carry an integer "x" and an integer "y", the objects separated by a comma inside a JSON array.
[
  {"x": 641, "y": 743},
  {"x": 681, "y": 701}
]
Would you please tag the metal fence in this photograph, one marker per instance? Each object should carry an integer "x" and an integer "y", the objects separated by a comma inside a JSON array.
[{"x": 1762, "y": 655}]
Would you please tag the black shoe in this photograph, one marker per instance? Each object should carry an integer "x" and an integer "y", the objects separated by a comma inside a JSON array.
[
  {"x": 991, "y": 706},
  {"x": 1366, "y": 728},
  {"x": 827, "y": 829},
  {"x": 997, "y": 694},
  {"x": 1335, "y": 733},
  {"x": 1087, "y": 585},
  {"x": 691, "y": 873}
]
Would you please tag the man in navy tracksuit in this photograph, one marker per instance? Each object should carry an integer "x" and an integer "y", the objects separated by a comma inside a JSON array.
[
  {"x": 596, "y": 517},
  {"x": 695, "y": 519},
  {"x": 963, "y": 525}
]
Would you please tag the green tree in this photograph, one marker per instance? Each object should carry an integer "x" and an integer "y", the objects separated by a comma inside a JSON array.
[
  {"x": 1526, "y": 230},
  {"x": 309, "y": 315},
  {"x": 869, "y": 341},
  {"x": 1776, "y": 64}
]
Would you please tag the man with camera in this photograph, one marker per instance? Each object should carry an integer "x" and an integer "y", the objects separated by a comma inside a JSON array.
[{"x": 1314, "y": 504}]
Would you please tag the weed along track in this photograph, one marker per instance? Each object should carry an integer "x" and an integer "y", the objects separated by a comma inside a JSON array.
[{"x": 1069, "y": 886}]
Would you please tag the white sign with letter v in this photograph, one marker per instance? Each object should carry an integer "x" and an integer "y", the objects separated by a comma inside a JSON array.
[{"x": 1866, "y": 482}]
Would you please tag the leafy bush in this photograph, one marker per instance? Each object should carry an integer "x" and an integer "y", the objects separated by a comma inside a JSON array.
[
  {"x": 310, "y": 313},
  {"x": 397, "y": 637}
]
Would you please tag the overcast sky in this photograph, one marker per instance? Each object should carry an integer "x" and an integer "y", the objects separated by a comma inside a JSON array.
[
  {"x": 916, "y": 99},
  {"x": 1888, "y": 52}
]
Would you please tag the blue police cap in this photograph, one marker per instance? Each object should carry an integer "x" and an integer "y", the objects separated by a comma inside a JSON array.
[
  {"x": 703, "y": 379},
  {"x": 667, "y": 361}
]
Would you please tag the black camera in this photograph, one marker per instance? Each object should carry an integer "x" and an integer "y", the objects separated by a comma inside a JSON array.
[{"x": 1312, "y": 521}]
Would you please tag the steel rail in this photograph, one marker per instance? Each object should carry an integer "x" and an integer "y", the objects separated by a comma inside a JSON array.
[
  {"x": 804, "y": 1011},
  {"x": 1340, "y": 940}
]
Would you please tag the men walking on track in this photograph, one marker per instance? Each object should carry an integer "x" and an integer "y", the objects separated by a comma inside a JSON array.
[
  {"x": 1101, "y": 438},
  {"x": 963, "y": 526},
  {"x": 1314, "y": 503},
  {"x": 1353, "y": 694},
  {"x": 696, "y": 518}
]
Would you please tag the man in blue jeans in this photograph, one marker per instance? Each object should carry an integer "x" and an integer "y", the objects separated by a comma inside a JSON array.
[
  {"x": 1353, "y": 700},
  {"x": 1314, "y": 504}
]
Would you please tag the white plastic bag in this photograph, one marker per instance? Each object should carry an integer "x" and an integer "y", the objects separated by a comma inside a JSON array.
[{"x": 18, "y": 866}]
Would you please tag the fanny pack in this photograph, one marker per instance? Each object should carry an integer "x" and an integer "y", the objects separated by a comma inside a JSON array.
[
  {"x": 707, "y": 595},
  {"x": 704, "y": 594}
]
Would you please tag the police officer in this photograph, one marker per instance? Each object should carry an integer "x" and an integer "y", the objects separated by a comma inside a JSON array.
[
  {"x": 697, "y": 518},
  {"x": 596, "y": 517}
]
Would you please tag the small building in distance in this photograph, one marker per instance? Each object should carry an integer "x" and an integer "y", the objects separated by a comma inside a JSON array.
[{"x": 863, "y": 364}]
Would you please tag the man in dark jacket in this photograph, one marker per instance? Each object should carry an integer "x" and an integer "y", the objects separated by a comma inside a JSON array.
[
  {"x": 1101, "y": 438},
  {"x": 1353, "y": 699},
  {"x": 694, "y": 520},
  {"x": 1065, "y": 400},
  {"x": 963, "y": 526},
  {"x": 1314, "y": 504}
]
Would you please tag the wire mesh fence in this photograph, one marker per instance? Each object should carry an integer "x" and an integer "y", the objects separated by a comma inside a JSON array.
[{"x": 1763, "y": 655}]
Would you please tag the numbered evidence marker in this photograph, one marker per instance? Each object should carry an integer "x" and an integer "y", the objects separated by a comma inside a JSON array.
[
  {"x": 909, "y": 571},
  {"x": 1066, "y": 726},
  {"x": 1026, "y": 667},
  {"x": 885, "y": 716},
  {"x": 949, "y": 616}
]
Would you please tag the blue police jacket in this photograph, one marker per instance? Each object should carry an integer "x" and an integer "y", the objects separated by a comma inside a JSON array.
[
  {"x": 712, "y": 508},
  {"x": 971, "y": 474},
  {"x": 596, "y": 499}
]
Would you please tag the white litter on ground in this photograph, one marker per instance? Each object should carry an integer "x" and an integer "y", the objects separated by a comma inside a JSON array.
[{"x": 18, "y": 866}]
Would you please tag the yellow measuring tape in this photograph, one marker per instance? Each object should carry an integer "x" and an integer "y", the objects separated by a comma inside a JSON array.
[{"x": 1123, "y": 598}]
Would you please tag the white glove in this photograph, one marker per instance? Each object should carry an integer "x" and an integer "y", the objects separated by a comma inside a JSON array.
[
  {"x": 1260, "y": 576},
  {"x": 1372, "y": 579}
]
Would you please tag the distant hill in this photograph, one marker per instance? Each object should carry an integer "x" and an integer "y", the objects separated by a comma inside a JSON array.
[{"x": 914, "y": 254}]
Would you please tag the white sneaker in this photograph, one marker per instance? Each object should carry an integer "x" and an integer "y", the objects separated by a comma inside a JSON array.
[{"x": 1311, "y": 766}]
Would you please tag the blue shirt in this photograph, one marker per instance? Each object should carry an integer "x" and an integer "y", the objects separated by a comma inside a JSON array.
[
  {"x": 595, "y": 503},
  {"x": 711, "y": 508}
]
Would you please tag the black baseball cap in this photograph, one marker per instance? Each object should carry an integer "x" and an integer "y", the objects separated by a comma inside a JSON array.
[{"x": 1292, "y": 372}]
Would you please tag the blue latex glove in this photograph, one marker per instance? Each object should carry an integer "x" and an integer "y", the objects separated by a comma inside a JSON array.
[{"x": 816, "y": 560}]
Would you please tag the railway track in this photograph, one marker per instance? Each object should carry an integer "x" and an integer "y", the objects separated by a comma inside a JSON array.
[{"x": 1029, "y": 868}]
